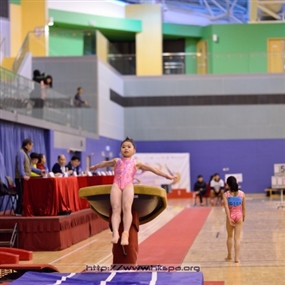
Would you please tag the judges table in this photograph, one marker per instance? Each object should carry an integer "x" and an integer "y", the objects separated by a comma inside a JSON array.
[{"x": 53, "y": 196}]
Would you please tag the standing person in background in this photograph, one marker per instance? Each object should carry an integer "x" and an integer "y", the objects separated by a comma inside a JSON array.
[
  {"x": 46, "y": 85},
  {"x": 200, "y": 189},
  {"x": 78, "y": 101},
  {"x": 36, "y": 94},
  {"x": 40, "y": 92},
  {"x": 23, "y": 169},
  {"x": 234, "y": 203}
]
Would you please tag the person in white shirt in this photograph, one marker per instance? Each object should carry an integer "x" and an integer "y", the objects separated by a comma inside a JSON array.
[{"x": 217, "y": 188}]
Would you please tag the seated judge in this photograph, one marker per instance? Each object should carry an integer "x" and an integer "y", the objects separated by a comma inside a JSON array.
[
  {"x": 35, "y": 171},
  {"x": 42, "y": 163},
  {"x": 73, "y": 165},
  {"x": 59, "y": 167}
]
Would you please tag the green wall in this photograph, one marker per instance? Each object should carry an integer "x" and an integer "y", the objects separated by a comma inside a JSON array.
[
  {"x": 241, "y": 48},
  {"x": 66, "y": 43},
  {"x": 67, "y": 35},
  {"x": 192, "y": 34},
  {"x": 190, "y": 60},
  {"x": 17, "y": 2},
  {"x": 87, "y": 21},
  {"x": 182, "y": 31}
]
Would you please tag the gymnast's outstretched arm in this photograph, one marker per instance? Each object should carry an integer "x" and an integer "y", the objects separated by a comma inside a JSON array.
[
  {"x": 102, "y": 164},
  {"x": 156, "y": 171}
]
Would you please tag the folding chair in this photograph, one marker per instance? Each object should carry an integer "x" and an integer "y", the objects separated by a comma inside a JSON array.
[{"x": 9, "y": 192}]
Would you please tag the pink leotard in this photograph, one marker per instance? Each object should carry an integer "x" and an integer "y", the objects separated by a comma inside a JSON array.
[
  {"x": 235, "y": 205},
  {"x": 125, "y": 170}
]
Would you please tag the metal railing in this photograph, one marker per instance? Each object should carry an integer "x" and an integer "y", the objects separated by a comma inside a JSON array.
[
  {"x": 21, "y": 54},
  {"x": 2, "y": 49},
  {"x": 26, "y": 97},
  {"x": 123, "y": 63}
]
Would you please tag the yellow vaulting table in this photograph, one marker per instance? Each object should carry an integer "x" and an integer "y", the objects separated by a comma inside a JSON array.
[{"x": 149, "y": 202}]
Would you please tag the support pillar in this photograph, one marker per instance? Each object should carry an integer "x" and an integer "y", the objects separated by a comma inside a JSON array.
[{"x": 127, "y": 254}]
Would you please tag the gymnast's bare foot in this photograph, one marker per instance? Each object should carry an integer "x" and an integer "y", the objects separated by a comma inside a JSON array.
[
  {"x": 115, "y": 237},
  {"x": 236, "y": 260},
  {"x": 125, "y": 238},
  {"x": 228, "y": 258}
]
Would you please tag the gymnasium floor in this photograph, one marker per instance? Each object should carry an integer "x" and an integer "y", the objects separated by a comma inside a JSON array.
[{"x": 262, "y": 245}]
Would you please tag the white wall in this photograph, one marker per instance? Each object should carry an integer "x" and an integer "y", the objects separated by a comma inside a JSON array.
[
  {"x": 205, "y": 122},
  {"x": 111, "y": 115},
  {"x": 4, "y": 38},
  {"x": 69, "y": 142},
  {"x": 25, "y": 68},
  {"x": 94, "y": 7}
]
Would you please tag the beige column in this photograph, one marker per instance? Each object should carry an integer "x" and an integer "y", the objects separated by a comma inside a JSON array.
[{"x": 149, "y": 41}]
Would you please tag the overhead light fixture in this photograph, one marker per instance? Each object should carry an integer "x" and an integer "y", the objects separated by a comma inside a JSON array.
[
  {"x": 215, "y": 38},
  {"x": 50, "y": 22}
]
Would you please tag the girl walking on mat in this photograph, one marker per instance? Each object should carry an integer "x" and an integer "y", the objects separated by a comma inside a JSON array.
[
  {"x": 234, "y": 200},
  {"x": 122, "y": 191}
]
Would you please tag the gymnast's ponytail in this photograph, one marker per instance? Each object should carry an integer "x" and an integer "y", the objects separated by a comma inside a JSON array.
[{"x": 232, "y": 182}]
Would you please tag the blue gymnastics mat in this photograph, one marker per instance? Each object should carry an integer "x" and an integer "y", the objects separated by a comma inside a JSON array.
[{"x": 111, "y": 278}]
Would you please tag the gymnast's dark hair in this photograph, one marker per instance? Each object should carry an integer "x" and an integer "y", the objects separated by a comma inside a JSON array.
[
  {"x": 127, "y": 139},
  {"x": 232, "y": 182}
]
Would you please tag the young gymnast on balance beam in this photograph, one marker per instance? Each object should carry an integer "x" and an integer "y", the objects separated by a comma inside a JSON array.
[{"x": 122, "y": 191}]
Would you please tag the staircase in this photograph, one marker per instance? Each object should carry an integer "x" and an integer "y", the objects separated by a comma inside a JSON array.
[{"x": 9, "y": 237}]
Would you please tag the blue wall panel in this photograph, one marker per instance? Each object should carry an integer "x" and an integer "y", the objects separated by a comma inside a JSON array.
[
  {"x": 253, "y": 158},
  {"x": 94, "y": 149}
]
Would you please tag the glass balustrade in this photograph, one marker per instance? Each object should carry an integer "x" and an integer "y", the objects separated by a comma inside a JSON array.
[
  {"x": 207, "y": 63},
  {"x": 26, "y": 97}
]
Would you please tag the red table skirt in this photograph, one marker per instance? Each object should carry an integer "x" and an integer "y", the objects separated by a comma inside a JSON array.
[{"x": 51, "y": 196}]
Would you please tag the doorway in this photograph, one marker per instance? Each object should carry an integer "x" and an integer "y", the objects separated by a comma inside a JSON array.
[
  {"x": 276, "y": 55},
  {"x": 88, "y": 162},
  {"x": 202, "y": 61}
]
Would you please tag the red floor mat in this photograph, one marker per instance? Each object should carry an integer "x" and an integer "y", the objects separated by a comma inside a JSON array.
[{"x": 170, "y": 244}]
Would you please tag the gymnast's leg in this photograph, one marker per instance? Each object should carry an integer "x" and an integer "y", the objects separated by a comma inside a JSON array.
[
  {"x": 238, "y": 229},
  {"x": 116, "y": 198},
  {"x": 127, "y": 202},
  {"x": 230, "y": 230}
]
